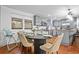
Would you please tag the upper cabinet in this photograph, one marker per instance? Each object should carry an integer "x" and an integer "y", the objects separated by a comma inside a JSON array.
[{"x": 40, "y": 21}]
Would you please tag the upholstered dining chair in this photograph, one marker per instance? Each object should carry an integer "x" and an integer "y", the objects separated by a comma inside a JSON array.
[
  {"x": 51, "y": 39},
  {"x": 26, "y": 47},
  {"x": 9, "y": 35},
  {"x": 53, "y": 46}
]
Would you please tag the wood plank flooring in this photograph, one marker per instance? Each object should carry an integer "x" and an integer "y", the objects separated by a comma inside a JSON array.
[
  {"x": 68, "y": 49},
  {"x": 62, "y": 50}
]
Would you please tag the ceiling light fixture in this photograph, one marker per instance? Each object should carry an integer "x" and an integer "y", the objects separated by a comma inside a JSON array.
[{"x": 70, "y": 15}]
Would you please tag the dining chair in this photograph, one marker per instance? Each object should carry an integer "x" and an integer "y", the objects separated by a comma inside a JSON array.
[
  {"x": 53, "y": 46},
  {"x": 8, "y": 35},
  {"x": 26, "y": 47},
  {"x": 51, "y": 39}
]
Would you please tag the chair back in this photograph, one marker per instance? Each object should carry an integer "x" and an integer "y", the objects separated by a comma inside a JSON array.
[
  {"x": 7, "y": 32},
  {"x": 22, "y": 38},
  {"x": 57, "y": 43}
]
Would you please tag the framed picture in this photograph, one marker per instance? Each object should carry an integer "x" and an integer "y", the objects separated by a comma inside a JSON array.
[
  {"x": 28, "y": 24},
  {"x": 17, "y": 23}
]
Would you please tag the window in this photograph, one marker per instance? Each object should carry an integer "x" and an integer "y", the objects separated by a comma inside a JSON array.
[
  {"x": 28, "y": 24},
  {"x": 17, "y": 23}
]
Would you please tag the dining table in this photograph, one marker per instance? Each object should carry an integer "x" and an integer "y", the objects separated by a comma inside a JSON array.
[{"x": 38, "y": 41}]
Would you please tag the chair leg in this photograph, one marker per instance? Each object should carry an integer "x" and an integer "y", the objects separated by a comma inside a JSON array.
[
  {"x": 30, "y": 50},
  {"x": 15, "y": 40},
  {"x": 47, "y": 52},
  {"x": 20, "y": 46},
  {"x": 7, "y": 44},
  {"x": 57, "y": 52},
  {"x": 52, "y": 52},
  {"x": 26, "y": 50},
  {"x": 23, "y": 49},
  {"x": 8, "y": 40}
]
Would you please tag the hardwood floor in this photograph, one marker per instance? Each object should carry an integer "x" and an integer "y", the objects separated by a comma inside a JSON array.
[
  {"x": 68, "y": 49},
  {"x": 62, "y": 50}
]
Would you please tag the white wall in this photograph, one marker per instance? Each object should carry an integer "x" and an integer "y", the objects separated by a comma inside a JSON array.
[
  {"x": 78, "y": 22},
  {"x": 6, "y": 15},
  {"x": 0, "y": 17},
  {"x": 0, "y": 21}
]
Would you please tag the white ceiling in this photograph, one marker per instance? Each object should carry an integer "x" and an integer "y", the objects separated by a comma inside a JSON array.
[{"x": 45, "y": 10}]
